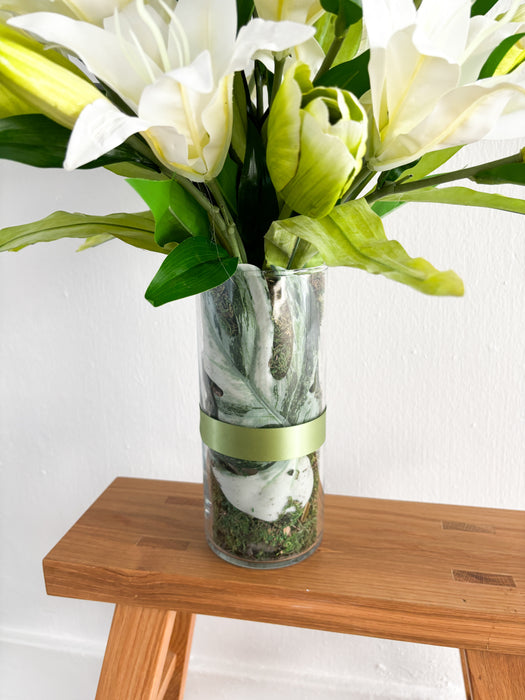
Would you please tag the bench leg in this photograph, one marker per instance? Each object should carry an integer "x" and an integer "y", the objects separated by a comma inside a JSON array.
[
  {"x": 147, "y": 655},
  {"x": 490, "y": 676}
]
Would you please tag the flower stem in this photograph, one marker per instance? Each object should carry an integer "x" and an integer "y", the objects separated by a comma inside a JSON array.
[
  {"x": 235, "y": 244},
  {"x": 361, "y": 181},
  {"x": 433, "y": 180},
  {"x": 259, "y": 96},
  {"x": 219, "y": 214},
  {"x": 330, "y": 57},
  {"x": 279, "y": 61},
  {"x": 294, "y": 251}
]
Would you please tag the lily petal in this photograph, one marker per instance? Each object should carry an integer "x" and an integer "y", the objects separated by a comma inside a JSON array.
[
  {"x": 262, "y": 35},
  {"x": 424, "y": 89},
  {"x": 210, "y": 25},
  {"x": 386, "y": 17},
  {"x": 442, "y": 29},
  {"x": 95, "y": 10},
  {"x": 467, "y": 114},
  {"x": 99, "y": 128}
]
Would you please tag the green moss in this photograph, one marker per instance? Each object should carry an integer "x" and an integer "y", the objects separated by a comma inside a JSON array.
[
  {"x": 224, "y": 309},
  {"x": 283, "y": 334},
  {"x": 252, "y": 539}
]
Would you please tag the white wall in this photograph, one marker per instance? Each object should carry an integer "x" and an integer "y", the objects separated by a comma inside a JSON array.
[{"x": 426, "y": 400}]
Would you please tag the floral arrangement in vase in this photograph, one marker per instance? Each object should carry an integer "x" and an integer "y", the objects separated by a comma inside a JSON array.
[{"x": 268, "y": 139}]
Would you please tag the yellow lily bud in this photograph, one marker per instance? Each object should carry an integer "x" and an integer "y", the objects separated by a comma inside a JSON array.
[
  {"x": 43, "y": 79},
  {"x": 316, "y": 143}
]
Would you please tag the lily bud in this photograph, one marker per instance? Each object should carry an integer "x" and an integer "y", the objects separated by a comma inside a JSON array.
[
  {"x": 316, "y": 143},
  {"x": 44, "y": 80}
]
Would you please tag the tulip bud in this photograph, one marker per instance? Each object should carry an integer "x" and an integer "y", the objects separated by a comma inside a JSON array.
[
  {"x": 316, "y": 143},
  {"x": 43, "y": 79},
  {"x": 307, "y": 11}
]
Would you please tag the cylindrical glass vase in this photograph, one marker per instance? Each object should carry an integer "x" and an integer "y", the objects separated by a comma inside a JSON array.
[{"x": 262, "y": 415}]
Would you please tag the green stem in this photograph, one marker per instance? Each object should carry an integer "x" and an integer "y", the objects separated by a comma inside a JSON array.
[
  {"x": 259, "y": 96},
  {"x": 361, "y": 181},
  {"x": 279, "y": 61},
  {"x": 224, "y": 227},
  {"x": 294, "y": 251},
  {"x": 434, "y": 180},
  {"x": 330, "y": 57},
  {"x": 235, "y": 244}
]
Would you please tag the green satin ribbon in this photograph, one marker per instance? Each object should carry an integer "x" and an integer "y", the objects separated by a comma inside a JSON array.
[{"x": 263, "y": 444}]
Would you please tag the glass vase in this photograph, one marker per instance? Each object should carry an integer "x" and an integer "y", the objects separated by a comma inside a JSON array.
[{"x": 262, "y": 415}]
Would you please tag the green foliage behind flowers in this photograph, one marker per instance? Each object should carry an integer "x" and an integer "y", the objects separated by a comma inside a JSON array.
[{"x": 278, "y": 139}]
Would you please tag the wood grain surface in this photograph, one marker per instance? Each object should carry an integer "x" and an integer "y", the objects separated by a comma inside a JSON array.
[
  {"x": 427, "y": 573},
  {"x": 147, "y": 655},
  {"x": 491, "y": 676}
]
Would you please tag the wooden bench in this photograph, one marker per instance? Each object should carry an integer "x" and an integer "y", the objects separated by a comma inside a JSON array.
[{"x": 434, "y": 574}]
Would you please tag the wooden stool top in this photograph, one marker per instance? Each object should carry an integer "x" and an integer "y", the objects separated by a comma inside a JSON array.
[{"x": 426, "y": 573}]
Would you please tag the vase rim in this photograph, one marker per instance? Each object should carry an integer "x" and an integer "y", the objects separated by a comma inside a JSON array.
[{"x": 247, "y": 268}]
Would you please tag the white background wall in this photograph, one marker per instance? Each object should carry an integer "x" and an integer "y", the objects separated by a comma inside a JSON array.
[{"x": 426, "y": 399}]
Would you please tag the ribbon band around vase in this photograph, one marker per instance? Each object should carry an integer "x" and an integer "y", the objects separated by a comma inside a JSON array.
[{"x": 263, "y": 444}]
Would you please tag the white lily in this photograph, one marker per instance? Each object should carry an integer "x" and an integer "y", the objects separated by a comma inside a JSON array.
[
  {"x": 175, "y": 74},
  {"x": 86, "y": 10},
  {"x": 424, "y": 93}
]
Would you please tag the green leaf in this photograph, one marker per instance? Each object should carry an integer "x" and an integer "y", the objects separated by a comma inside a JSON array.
[
  {"x": 325, "y": 34},
  {"x": 481, "y": 7},
  {"x": 177, "y": 214},
  {"x": 512, "y": 173},
  {"x": 244, "y": 12},
  {"x": 383, "y": 208},
  {"x": 353, "y": 236},
  {"x": 352, "y": 75},
  {"x": 35, "y": 140},
  {"x": 428, "y": 163},
  {"x": 350, "y": 11},
  {"x": 195, "y": 266},
  {"x": 227, "y": 180},
  {"x": 491, "y": 65},
  {"x": 459, "y": 195},
  {"x": 412, "y": 171},
  {"x": 135, "y": 229},
  {"x": 94, "y": 241},
  {"x": 257, "y": 202}
]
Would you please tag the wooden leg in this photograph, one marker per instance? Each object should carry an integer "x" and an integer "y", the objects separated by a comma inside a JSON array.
[
  {"x": 147, "y": 655},
  {"x": 490, "y": 676}
]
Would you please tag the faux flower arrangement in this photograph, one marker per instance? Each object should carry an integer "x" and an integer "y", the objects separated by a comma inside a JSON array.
[{"x": 277, "y": 132}]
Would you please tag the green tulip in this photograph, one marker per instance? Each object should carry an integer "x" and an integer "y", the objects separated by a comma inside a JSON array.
[{"x": 316, "y": 143}]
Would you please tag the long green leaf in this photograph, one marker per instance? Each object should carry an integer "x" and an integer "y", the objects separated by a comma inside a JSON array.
[
  {"x": 481, "y": 7},
  {"x": 459, "y": 195},
  {"x": 35, "y": 140},
  {"x": 353, "y": 236},
  {"x": 177, "y": 214},
  {"x": 257, "y": 202},
  {"x": 411, "y": 172},
  {"x": 194, "y": 266},
  {"x": 244, "y": 12},
  {"x": 491, "y": 65},
  {"x": 135, "y": 229}
]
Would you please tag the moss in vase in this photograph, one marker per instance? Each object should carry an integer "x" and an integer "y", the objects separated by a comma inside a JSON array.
[{"x": 252, "y": 539}]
